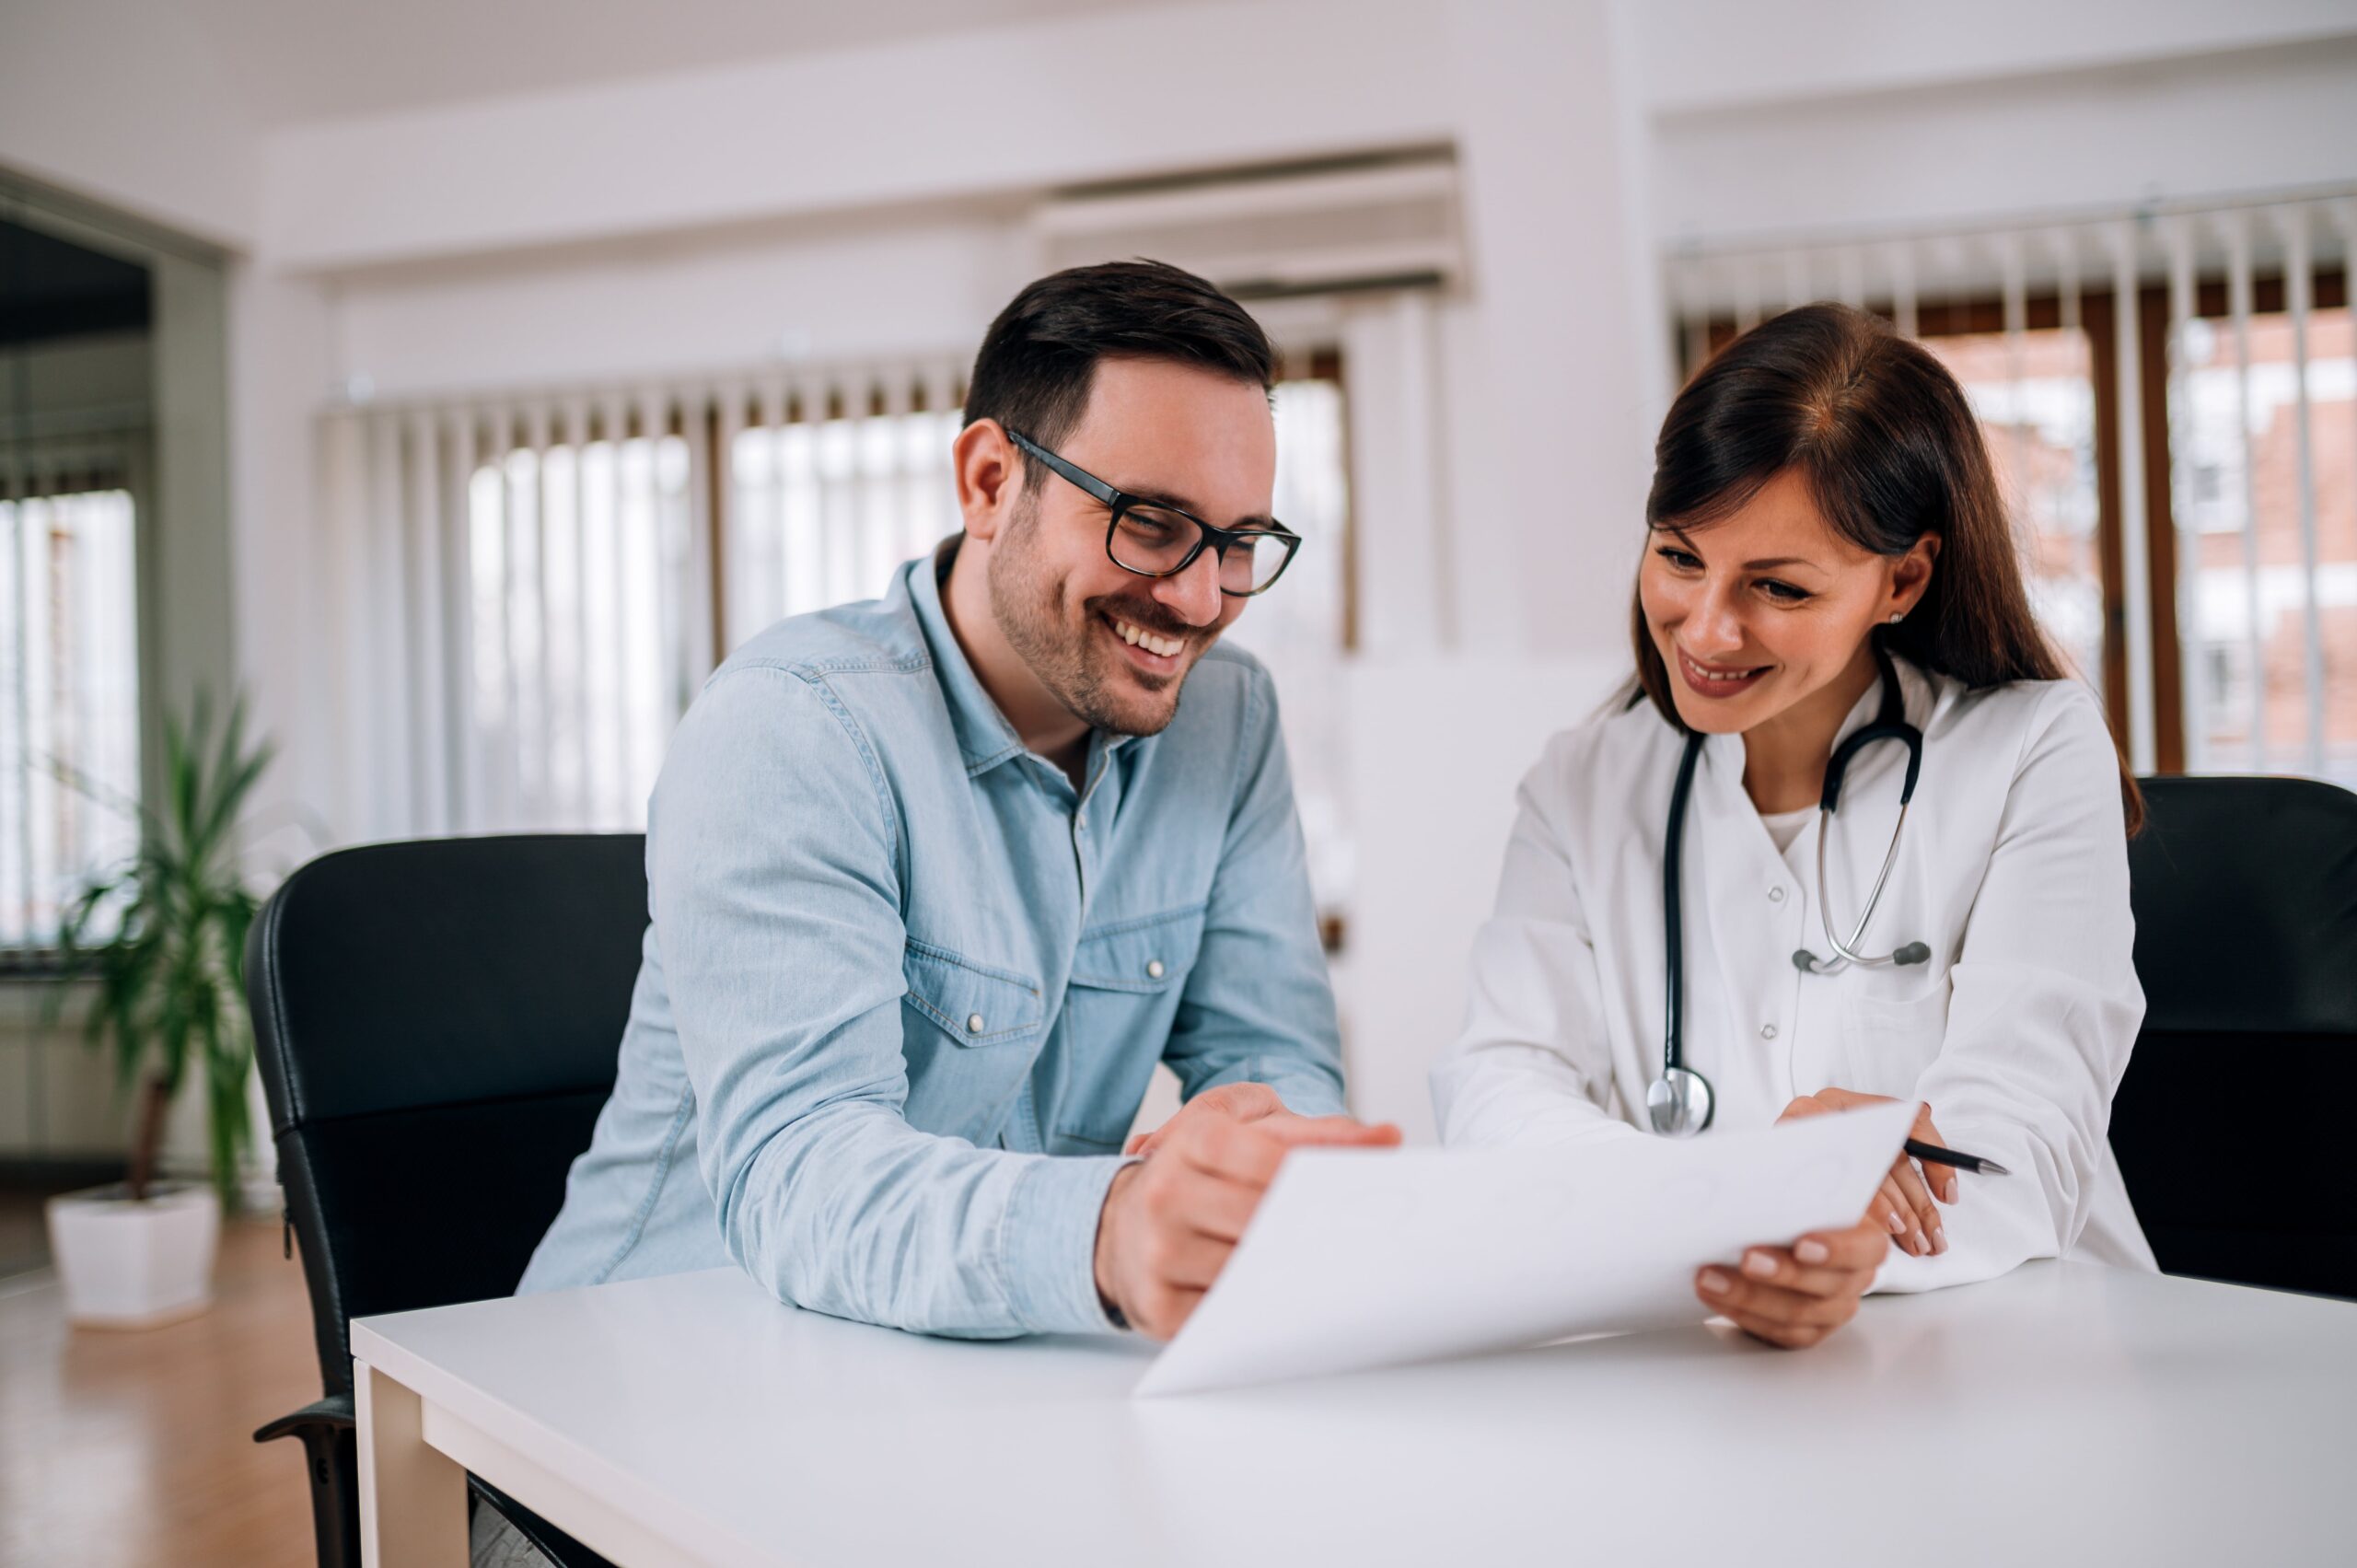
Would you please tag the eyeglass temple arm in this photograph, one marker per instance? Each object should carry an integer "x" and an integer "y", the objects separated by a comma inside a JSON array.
[{"x": 1081, "y": 477}]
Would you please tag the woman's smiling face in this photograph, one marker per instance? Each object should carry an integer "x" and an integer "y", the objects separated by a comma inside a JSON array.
[{"x": 1757, "y": 612}]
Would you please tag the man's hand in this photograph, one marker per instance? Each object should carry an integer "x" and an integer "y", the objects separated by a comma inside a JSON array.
[
  {"x": 1796, "y": 1295},
  {"x": 1905, "y": 1206},
  {"x": 1244, "y": 1102},
  {"x": 1170, "y": 1221}
]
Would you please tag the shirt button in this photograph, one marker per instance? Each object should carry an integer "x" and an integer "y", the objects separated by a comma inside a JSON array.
[
  {"x": 973, "y": 1023},
  {"x": 1082, "y": 819},
  {"x": 1775, "y": 895},
  {"x": 1767, "y": 1031},
  {"x": 1153, "y": 969}
]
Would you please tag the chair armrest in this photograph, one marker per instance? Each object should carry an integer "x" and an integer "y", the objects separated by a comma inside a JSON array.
[{"x": 331, "y": 1414}]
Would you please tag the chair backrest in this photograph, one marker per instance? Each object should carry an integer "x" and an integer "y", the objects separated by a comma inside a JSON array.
[
  {"x": 2235, "y": 1105},
  {"x": 438, "y": 1025}
]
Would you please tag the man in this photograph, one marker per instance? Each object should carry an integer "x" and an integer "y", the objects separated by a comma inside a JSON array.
[{"x": 936, "y": 879}]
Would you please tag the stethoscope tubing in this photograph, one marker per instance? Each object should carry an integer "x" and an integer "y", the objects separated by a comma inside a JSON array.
[
  {"x": 1681, "y": 1101},
  {"x": 1847, "y": 950}
]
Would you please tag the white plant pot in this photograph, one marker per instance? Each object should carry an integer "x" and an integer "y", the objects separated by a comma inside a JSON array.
[{"x": 127, "y": 1265}]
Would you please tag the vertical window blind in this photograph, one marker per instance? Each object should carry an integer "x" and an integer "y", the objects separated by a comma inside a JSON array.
[
  {"x": 2170, "y": 397},
  {"x": 69, "y": 680},
  {"x": 535, "y": 586}
]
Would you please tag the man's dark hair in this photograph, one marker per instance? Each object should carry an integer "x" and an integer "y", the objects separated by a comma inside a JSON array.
[{"x": 1040, "y": 357}]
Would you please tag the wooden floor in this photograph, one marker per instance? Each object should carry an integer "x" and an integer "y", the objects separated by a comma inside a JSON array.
[{"x": 135, "y": 1448}]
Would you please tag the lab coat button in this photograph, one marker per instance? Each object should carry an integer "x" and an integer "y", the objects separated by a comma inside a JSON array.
[
  {"x": 1775, "y": 895},
  {"x": 1767, "y": 1031},
  {"x": 973, "y": 1023},
  {"x": 1153, "y": 969}
]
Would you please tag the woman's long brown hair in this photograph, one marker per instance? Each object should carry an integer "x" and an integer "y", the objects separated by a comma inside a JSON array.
[{"x": 1890, "y": 451}]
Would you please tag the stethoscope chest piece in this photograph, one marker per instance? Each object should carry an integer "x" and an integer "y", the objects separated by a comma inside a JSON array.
[{"x": 1679, "y": 1102}]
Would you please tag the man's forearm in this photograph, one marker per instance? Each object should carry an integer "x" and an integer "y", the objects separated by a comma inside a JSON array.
[{"x": 851, "y": 1211}]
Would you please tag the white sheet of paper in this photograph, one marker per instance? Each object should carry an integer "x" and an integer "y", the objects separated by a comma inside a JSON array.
[{"x": 1370, "y": 1257}]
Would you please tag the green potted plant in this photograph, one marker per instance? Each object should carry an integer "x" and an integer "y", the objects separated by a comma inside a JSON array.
[{"x": 163, "y": 938}]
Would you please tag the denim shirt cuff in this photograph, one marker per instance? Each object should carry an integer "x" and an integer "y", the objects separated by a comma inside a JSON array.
[
  {"x": 1050, "y": 1243},
  {"x": 1305, "y": 1090},
  {"x": 1307, "y": 1094}
]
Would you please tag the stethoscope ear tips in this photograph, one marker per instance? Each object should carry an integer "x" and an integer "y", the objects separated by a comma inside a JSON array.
[
  {"x": 1913, "y": 952},
  {"x": 1804, "y": 960}
]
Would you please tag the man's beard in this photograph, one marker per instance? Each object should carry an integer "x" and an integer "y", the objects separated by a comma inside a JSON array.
[{"x": 1067, "y": 659}]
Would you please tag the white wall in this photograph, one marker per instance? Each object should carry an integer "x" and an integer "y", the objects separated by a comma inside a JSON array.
[
  {"x": 124, "y": 102},
  {"x": 936, "y": 119},
  {"x": 1960, "y": 154},
  {"x": 1717, "y": 54},
  {"x": 914, "y": 284}
]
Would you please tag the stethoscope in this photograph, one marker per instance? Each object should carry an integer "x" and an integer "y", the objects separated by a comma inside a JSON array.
[{"x": 1680, "y": 1101}]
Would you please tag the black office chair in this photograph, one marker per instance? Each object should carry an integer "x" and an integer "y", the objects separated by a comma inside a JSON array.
[
  {"x": 2233, "y": 1117},
  {"x": 437, "y": 1026}
]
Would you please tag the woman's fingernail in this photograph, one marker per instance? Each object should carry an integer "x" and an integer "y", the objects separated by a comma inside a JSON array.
[
  {"x": 1811, "y": 1250},
  {"x": 1715, "y": 1282},
  {"x": 1948, "y": 1191},
  {"x": 1939, "y": 1241},
  {"x": 1759, "y": 1265},
  {"x": 1897, "y": 1225}
]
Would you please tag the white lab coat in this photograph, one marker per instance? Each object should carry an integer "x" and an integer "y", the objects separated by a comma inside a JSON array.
[{"x": 2013, "y": 868}]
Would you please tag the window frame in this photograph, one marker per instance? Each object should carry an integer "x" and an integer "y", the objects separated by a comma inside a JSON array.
[{"x": 1984, "y": 315}]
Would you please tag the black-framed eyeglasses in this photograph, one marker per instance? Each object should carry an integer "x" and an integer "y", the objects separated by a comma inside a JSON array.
[{"x": 1154, "y": 539}]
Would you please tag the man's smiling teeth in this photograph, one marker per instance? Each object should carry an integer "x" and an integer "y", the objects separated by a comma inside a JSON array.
[{"x": 1138, "y": 636}]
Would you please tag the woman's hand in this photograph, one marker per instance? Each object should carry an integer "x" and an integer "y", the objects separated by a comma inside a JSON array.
[
  {"x": 1906, "y": 1206},
  {"x": 1796, "y": 1295}
]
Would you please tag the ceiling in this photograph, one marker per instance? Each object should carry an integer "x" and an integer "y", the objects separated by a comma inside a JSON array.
[{"x": 298, "y": 59}]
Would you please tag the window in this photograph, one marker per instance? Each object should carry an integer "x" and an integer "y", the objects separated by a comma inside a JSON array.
[
  {"x": 823, "y": 510},
  {"x": 548, "y": 583},
  {"x": 69, "y": 703},
  {"x": 2267, "y": 549},
  {"x": 2035, "y": 394},
  {"x": 1303, "y": 629},
  {"x": 576, "y": 562},
  {"x": 2171, "y": 399}
]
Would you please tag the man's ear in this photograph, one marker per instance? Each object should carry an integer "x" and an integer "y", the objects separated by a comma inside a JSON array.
[
  {"x": 990, "y": 477},
  {"x": 1910, "y": 578}
]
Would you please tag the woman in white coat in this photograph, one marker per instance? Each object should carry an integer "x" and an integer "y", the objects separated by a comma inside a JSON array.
[{"x": 1826, "y": 550}]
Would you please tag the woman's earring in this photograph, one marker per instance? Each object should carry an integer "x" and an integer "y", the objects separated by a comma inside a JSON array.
[{"x": 1898, "y": 617}]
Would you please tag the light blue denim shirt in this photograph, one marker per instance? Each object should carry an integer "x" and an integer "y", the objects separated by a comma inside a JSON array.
[{"x": 903, "y": 986}]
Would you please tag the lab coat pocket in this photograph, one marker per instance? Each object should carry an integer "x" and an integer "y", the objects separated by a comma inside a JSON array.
[
  {"x": 1888, "y": 1043},
  {"x": 1127, "y": 976}
]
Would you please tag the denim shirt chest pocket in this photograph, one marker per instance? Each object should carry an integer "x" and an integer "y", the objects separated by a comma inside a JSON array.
[
  {"x": 972, "y": 1032},
  {"x": 1127, "y": 978}
]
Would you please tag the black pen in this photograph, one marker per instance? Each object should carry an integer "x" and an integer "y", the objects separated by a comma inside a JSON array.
[{"x": 1932, "y": 1154}]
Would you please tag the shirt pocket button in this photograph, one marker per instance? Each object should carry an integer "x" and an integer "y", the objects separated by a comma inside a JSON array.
[{"x": 973, "y": 1023}]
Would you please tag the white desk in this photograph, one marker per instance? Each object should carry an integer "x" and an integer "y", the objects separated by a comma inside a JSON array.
[{"x": 2065, "y": 1413}]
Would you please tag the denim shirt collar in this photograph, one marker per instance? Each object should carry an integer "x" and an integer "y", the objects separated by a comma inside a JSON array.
[{"x": 985, "y": 739}]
